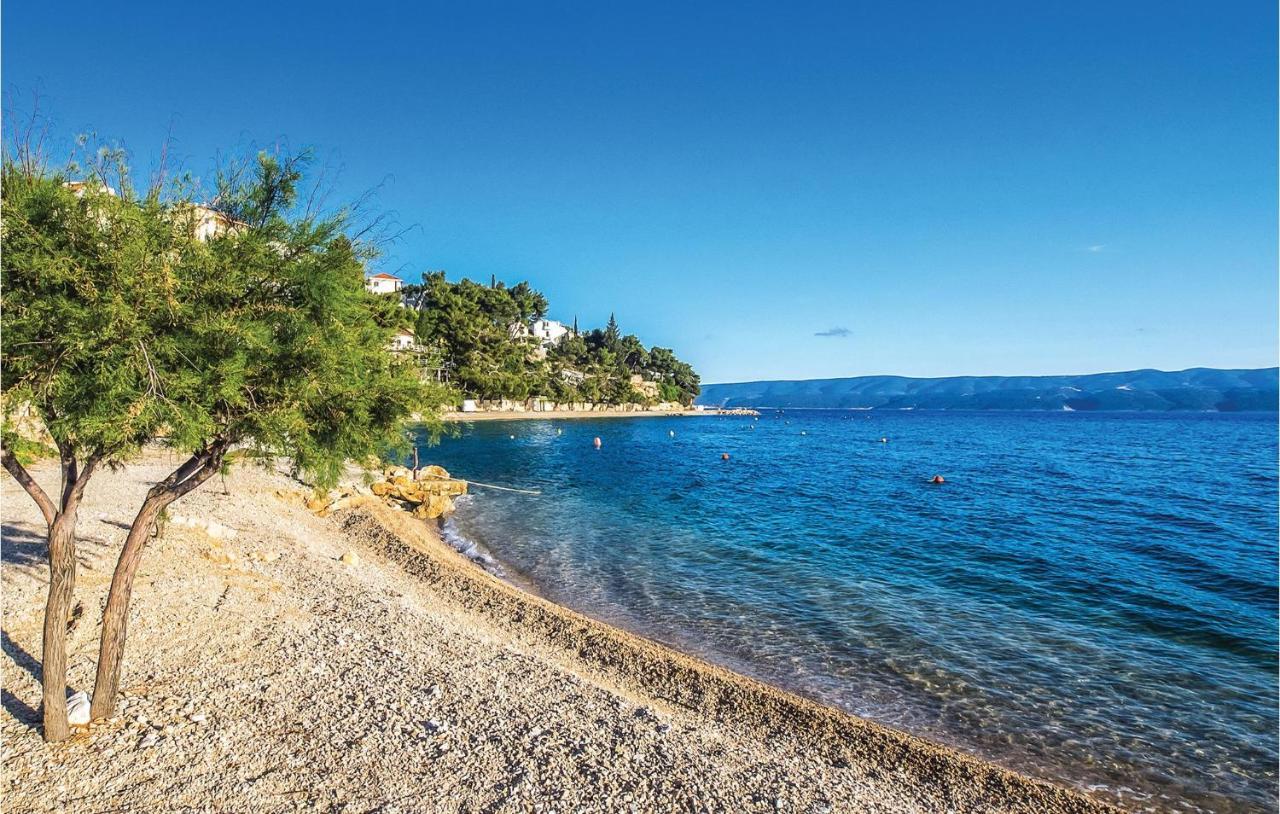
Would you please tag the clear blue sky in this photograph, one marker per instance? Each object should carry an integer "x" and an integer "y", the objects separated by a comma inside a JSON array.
[{"x": 943, "y": 188}]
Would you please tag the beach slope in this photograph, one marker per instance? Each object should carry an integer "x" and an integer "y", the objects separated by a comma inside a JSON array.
[{"x": 266, "y": 674}]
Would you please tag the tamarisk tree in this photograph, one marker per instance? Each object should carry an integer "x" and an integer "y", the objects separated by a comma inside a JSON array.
[
  {"x": 250, "y": 331},
  {"x": 84, "y": 272}
]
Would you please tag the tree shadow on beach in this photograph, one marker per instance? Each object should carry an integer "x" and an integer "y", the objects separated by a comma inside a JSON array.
[
  {"x": 22, "y": 546},
  {"x": 26, "y": 549},
  {"x": 21, "y": 711}
]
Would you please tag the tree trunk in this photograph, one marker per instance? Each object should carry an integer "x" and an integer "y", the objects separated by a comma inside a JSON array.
[
  {"x": 115, "y": 616},
  {"x": 61, "y": 520},
  {"x": 62, "y": 581}
]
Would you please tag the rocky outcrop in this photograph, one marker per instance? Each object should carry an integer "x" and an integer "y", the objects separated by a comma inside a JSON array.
[{"x": 428, "y": 494}]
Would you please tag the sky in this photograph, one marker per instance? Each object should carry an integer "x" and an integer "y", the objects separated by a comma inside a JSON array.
[{"x": 774, "y": 190}]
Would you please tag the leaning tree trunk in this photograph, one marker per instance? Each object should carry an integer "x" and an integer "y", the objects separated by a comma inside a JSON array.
[
  {"x": 57, "y": 611},
  {"x": 115, "y": 616}
]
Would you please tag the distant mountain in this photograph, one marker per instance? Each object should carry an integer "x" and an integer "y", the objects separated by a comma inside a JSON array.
[{"x": 1198, "y": 388}]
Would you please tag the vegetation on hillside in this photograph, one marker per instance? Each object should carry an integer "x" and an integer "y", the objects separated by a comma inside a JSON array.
[{"x": 479, "y": 336}]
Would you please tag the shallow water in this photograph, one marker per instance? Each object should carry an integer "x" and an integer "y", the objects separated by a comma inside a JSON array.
[{"x": 1089, "y": 598}]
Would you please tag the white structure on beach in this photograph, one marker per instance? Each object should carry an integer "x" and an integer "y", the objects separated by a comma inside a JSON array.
[{"x": 383, "y": 283}]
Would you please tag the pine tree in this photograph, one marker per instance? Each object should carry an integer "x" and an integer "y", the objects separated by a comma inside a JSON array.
[{"x": 612, "y": 336}]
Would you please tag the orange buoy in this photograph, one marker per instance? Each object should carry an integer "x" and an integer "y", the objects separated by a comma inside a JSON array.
[
  {"x": 724, "y": 456},
  {"x": 937, "y": 479},
  {"x": 596, "y": 442}
]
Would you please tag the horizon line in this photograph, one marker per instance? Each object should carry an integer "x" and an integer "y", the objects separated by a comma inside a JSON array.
[{"x": 999, "y": 375}]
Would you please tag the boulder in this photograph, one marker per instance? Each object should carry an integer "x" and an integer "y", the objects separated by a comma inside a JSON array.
[
  {"x": 410, "y": 493},
  {"x": 435, "y": 506}
]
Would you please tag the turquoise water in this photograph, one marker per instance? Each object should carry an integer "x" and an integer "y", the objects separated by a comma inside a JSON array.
[{"x": 1088, "y": 598}]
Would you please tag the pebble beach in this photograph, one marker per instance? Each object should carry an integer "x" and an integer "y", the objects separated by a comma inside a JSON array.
[{"x": 279, "y": 660}]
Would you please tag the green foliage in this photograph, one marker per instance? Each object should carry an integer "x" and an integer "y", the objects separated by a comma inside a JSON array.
[
  {"x": 27, "y": 450},
  {"x": 480, "y": 334},
  {"x": 121, "y": 326},
  {"x": 86, "y": 276}
]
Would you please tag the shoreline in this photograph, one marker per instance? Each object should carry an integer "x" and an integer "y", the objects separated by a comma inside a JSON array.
[
  {"x": 269, "y": 670},
  {"x": 661, "y": 671},
  {"x": 566, "y": 415},
  {"x": 569, "y": 415}
]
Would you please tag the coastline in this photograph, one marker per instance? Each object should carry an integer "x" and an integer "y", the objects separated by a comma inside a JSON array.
[
  {"x": 559, "y": 415},
  {"x": 412, "y": 676},
  {"x": 656, "y": 670}
]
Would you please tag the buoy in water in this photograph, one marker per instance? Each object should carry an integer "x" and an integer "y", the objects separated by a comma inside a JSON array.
[
  {"x": 937, "y": 479},
  {"x": 558, "y": 431},
  {"x": 884, "y": 440},
  {"x": 671, "y": 433},
  {"x": 803, "y": 432},
  {"x": 724, "y": 456},
  {"x": 513, "y": 438},
  {"x": 596, "y": 442}
]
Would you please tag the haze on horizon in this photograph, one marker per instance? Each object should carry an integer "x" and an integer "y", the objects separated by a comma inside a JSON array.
[{"x": 840, "y": 190}]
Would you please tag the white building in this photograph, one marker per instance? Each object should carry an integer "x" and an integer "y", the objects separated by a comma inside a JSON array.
[
  {"x": 548, "y": 332},
  {"x": 382, "y": 283},
  {"x": 403, "y": 340},
  {"x": 209, "y": 223}
]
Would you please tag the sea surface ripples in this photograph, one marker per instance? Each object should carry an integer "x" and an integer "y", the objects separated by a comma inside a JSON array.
[{"x": 1089, "y": 598}]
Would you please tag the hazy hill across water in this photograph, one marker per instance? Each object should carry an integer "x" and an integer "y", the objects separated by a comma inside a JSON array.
[{"x": 1197, "y": 388}]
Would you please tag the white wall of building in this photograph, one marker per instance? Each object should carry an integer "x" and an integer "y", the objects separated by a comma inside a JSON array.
[
  {"x": 549, "y": 332},
  {"x": 383, "y": 284}
]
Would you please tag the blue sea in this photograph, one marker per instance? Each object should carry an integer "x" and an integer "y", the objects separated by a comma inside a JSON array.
[{"x": 1088, "y": 598}]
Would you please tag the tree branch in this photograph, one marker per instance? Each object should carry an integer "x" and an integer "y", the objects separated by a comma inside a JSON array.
[
  {"x": 24, "y": 479},
  {"x": 195, "y": 470},
  {"x": 81, "y": 481}
]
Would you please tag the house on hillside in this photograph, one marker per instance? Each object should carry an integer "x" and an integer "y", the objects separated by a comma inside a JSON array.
[
  {"x": 78, "y": 188},
  {"x": 210, "y": 223},
  {"x": 403, "y": 340},
  {"x": 383, "y": 283},
  {"x": 548, "y": 332},
  {"x": 206, "y": 221}
]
